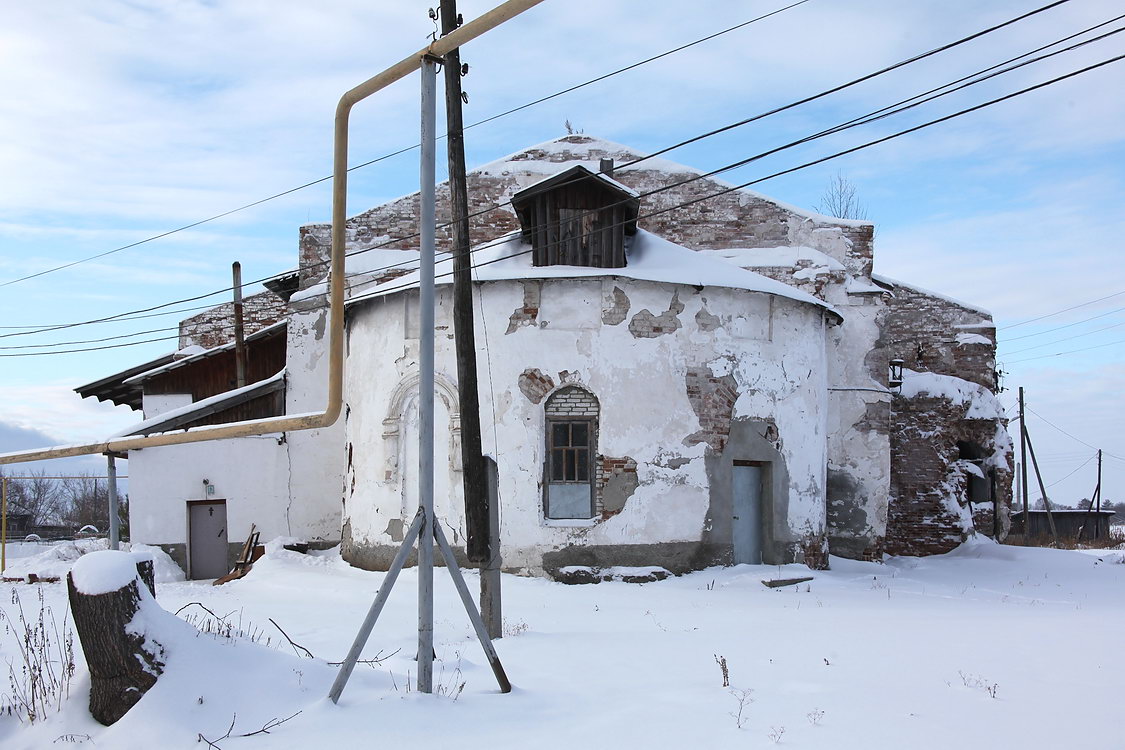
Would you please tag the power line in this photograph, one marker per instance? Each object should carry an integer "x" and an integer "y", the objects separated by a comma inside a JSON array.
[
  {"x": 403, "y": 150},
  {"x": 749, "y": 183},
  {"x": 1072, "y": 437},
  {"x": 1063, "y": 341},
  {"x": 878, "y": 114},
  {"x": 859, "y": 80},
  {"x": 90, "y": 349},
  {"x": 1060, "y": 312},
  {"x": 1068, "y": 476},
  {"x": 1071, "y": 351},
  {"x": 92, "y": 341},
  {"x": 821, "y": 160},
  {"x": 1068, "y": 325},
  {"x": 118, "y": 318}
]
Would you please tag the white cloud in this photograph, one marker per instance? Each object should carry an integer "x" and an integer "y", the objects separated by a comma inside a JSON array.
[{"x": 124, "y": 119}]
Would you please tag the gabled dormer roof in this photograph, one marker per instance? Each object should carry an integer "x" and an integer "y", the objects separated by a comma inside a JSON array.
[{"x": 614, "y": 192}]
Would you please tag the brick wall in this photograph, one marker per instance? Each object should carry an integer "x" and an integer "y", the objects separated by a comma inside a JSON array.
[
  {"x": 925, "y": 475},
  {"x": 733, "y": 219},
  {"x": 572, "y": 402},
  {"x": 934, "y": 334},
  {"x": 216, "y": 326},
  {"x": 712, "y": 398}
]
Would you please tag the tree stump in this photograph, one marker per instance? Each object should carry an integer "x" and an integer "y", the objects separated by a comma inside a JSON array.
[{"x": 122, "y": 670}]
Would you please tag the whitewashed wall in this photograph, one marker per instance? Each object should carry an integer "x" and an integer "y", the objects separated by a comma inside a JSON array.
[{"x": 773, "y": 347}]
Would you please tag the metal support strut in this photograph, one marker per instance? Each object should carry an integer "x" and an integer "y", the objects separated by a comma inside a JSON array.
[{"x": 424, "y": 528}]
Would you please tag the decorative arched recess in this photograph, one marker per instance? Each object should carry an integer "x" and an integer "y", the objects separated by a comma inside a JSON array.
[{"x": 406, "y": 389}]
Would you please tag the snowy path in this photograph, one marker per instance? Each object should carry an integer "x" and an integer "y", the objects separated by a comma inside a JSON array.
[{"x": 865, "y": 656}]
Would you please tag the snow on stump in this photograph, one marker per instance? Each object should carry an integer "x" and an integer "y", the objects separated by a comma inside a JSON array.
[{"x": 107, "y": 600}]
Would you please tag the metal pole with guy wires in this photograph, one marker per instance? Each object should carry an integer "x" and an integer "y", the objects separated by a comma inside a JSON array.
[
  {"x": 424, "y": 528},
  {"x": 426, "y": 382}
]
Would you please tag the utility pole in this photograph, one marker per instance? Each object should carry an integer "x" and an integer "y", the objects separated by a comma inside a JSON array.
[
  {"x": 239, "y": 337},
  {"x": 481, "y": 544},
  {"x": 1098, "y": 496},
  {"x": 1042, "y": 489},
  {"x": 1023, "y": 472},
  {"x": 1094, "y": 498},
  {"x": 472, "y": 459},
  {"x": 114, "y": 518}
]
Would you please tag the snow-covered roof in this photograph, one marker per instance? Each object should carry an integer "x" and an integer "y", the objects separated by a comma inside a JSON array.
[
  {"x": 895, "y": 282},
  {"x": 203, "y": 353},
  {"x": 784, "y": 256},
  {"x": 174, "y": 418},
  {"x": 599, "y": 176},
  {"x": 650, "y": 258},
  {"x": 594, "y": 148},
  {"x": 116, "y": 388}
]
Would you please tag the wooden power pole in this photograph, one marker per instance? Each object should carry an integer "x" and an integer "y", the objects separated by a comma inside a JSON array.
[
  {"x": 239, "y": 330},
  {"x": 478, "y": 543},
  {"x": 1023, "y": 473},
  {"x": 480, "y": 546},
  {"x": 1098, "y": 498}
]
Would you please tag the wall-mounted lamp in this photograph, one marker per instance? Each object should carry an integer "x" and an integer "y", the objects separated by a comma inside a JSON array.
[
  {"x": 208, "y": 488},
  {"x": 895, "y": 379}
]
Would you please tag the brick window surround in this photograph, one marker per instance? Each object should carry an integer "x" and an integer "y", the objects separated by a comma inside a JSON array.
[{"x": 570, "y": 450}]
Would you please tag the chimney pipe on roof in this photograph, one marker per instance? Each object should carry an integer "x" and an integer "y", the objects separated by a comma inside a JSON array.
[{"x": 606, "y": 167}]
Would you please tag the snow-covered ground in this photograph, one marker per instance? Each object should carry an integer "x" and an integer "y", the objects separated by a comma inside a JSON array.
[{"x": 988, "y": 646}]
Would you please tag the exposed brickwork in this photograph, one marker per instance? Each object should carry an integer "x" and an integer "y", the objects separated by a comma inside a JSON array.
[
  {"x": 924, "y": 332},
  {"x": 645, "y": 325},
  {"x": 814, "y": 551},
  {"x": 935, "y": 334},
  {"x": 535, "y": 384},
  {"x": 528, "y": 313},
  {"x": 616, "y": 479},
  {"x": 733, "y": 219},
  {"x": 712, "y": 398},
  {"x": 216, "y": 326},
  {"x": 616, "y": 308},
  {"x": 571, "y": 402},
  {"x": 928, "y": 508}
]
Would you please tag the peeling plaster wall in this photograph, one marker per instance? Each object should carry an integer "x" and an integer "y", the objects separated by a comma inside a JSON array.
[
  {"x": 859, "y": 450},
  {"x": 771, "y": 353},
  {"x": 740, "y": 219},
  {"x": 315, "y": 458}
]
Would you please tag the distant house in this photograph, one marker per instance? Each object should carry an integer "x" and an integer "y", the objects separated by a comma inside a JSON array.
[{"x": 673, "y": 373}]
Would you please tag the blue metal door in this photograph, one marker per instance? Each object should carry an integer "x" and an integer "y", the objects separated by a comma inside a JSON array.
[{"x": 746, "y": 526}]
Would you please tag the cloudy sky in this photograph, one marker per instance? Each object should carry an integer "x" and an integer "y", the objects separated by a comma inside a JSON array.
[{"x": 122, "y": 120}]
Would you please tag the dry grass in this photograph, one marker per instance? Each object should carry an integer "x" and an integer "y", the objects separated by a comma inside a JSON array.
[{"x": 39, "y": 678}]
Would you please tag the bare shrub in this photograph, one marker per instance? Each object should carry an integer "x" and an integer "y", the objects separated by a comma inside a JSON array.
[
  {"x": 39, "y": 679},
  {"x": 744, "y": 697}
]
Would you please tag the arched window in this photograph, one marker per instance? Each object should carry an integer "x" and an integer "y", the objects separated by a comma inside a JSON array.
[{"x": 571, "y": 448}]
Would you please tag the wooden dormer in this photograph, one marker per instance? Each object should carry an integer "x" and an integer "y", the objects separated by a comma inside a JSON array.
[{"x": 577, "y": 218}]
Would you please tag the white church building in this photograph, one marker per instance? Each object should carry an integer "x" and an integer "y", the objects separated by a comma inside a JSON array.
[{"x": 659, "y": 386}]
